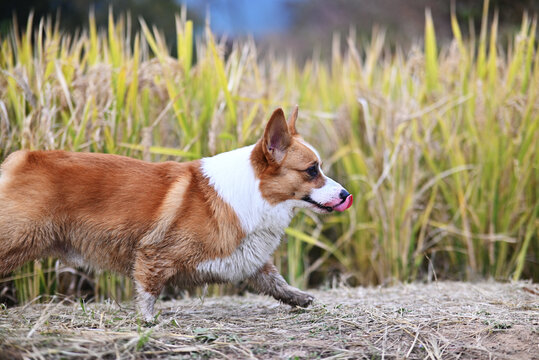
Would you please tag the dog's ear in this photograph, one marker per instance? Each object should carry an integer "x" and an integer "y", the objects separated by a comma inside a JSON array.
[
  {"x": 277, "y": 137},
  {"x": 292, "y": 121}
]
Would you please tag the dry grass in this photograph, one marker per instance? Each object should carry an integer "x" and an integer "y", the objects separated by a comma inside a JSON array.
[{"x": 438, "y": 320}]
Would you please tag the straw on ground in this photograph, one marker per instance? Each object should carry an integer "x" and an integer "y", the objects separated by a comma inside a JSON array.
[{"x": 439, "y": 320}]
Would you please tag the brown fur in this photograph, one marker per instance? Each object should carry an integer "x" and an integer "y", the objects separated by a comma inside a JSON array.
[{"x": 139, "y": 219}]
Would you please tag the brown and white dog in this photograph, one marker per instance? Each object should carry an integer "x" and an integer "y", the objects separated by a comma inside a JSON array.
[{"x": 218, "y": 219}]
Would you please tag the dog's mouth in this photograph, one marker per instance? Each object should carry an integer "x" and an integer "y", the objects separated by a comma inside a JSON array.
[
  {"x": 317, "y": 204},
  {"x": 343, "y": 205}
]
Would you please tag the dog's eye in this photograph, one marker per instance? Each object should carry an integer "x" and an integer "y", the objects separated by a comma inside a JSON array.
[{"x": 312, "y": 171}]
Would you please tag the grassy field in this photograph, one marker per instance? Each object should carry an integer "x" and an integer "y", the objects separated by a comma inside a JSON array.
[
  {"x": 436, "y": 321},
  {"x": 438, "y": 144}
]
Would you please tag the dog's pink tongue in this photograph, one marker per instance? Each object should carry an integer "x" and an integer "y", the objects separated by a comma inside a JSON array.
[{"x": 346, "y": 204}]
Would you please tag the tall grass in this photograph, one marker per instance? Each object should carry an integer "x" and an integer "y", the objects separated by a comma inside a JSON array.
[{"x": 439, "y": 145}]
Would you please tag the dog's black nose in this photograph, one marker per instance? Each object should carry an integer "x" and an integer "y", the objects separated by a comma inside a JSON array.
[{"x": 344, "y": 194}]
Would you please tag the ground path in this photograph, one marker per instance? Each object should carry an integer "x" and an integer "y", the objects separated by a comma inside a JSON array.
[{"x": 417, "y": 321}]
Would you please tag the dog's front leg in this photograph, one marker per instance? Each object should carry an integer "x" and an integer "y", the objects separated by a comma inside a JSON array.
[{"x": 268, "y": 281}]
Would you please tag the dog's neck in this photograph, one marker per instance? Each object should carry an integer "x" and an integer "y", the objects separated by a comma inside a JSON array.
[{"x": 231, "y": 174}]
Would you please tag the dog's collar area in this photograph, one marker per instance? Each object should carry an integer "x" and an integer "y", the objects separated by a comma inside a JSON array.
[{"x": 317, "y": 204}]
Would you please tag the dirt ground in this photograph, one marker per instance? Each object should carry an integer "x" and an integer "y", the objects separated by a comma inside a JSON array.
[{"x": 444, "y": 320}]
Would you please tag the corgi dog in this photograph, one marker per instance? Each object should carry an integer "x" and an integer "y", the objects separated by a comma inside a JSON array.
[{"x": 213, "y": 220}]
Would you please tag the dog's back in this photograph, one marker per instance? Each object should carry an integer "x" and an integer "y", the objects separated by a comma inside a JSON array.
[{"x": 57, "y": 203}]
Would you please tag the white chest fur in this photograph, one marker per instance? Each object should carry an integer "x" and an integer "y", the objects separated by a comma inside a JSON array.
[{"x": 232, "y": 176}]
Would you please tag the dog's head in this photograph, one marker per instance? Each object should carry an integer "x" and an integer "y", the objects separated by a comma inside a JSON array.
[{"x": 290, "y": 169}]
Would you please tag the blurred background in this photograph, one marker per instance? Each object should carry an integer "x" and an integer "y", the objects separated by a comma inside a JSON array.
[
  {"x": 300, "y": 27},
  {"x": 426, "y": 110}
]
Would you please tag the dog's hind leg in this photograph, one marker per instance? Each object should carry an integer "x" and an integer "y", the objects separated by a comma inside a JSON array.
[
  {"x": 21, "y": 238},
  {"x": 268, "y": 281},
  {"x": 150, "y": 276},
  {"x": 19, "y": 244},
  {"x": 145, "y": 302}
]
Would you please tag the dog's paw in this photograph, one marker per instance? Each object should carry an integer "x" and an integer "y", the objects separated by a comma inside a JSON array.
[
  {"x": 148, "y": 319},
  {"x": 296, "y": 297}
]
